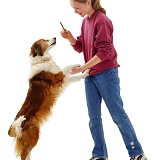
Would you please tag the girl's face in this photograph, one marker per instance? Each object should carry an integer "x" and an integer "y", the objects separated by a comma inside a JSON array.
[{"x": 81, "y": 8}]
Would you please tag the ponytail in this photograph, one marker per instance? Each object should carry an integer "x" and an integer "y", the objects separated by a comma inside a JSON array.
[{"x": 97, "y": 6}]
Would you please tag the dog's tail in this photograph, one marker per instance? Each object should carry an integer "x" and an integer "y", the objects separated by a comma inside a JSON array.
[{"x": 15, "y": 129}]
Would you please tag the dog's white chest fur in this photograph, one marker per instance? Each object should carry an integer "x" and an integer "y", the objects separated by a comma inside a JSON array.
[{"x": 46, "y": 63}]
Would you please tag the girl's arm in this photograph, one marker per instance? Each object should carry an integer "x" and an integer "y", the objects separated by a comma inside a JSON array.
[
  {"x": 68, "y": 35},
  {"x": 76, "y": 43},
  {"x": 92, "y": 62}
]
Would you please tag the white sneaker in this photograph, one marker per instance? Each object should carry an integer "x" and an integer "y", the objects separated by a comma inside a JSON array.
[
  {"x": 140, "y": 157},
  {"x": 94, "y": 158}
]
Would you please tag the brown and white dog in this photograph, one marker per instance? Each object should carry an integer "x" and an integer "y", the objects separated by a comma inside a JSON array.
[{"x": 46, "y": 83}]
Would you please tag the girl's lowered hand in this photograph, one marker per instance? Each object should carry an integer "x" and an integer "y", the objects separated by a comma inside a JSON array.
[{"x": 77, "y": 69}]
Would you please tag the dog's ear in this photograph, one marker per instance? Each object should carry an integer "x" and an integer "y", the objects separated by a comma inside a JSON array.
[{"x": 36, "y": 50}]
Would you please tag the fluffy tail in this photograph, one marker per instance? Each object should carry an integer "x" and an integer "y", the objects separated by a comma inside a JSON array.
[{"x": 16, "y": 129}]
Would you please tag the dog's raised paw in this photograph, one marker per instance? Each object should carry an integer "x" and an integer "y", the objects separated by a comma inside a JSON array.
[
  {"x": 68, "y": 69},
  {"x": 86, "y": 73}
]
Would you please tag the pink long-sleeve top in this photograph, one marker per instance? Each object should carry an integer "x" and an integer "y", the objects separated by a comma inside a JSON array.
[{"x": 97, "y": 39}]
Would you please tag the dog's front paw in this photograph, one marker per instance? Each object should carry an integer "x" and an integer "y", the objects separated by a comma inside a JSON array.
[
  {"x": 85, "y": 73},
  {"x": 68, "y": 69}
]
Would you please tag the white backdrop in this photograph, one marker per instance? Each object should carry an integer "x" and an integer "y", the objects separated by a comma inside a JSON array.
[{"x": 66, "y": 135}]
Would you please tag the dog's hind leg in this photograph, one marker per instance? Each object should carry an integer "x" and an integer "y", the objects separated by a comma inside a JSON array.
[
  {"x": 26, "y": 152},
  {"x": 28, "y": 157},
  {"x": 25, "y": 156},
  {"x": 27, "y": 142},
  {"x": 21, "y": 149}
]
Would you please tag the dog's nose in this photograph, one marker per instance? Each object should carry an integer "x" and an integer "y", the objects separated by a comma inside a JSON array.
[{"x": 54, "y": 38}]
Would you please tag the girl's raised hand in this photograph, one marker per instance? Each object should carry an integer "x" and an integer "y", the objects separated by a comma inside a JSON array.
[{"x": 66, "y": 34}]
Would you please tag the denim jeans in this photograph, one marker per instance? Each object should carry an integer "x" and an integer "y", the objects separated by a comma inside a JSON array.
[{"x": 106, "y": 86}]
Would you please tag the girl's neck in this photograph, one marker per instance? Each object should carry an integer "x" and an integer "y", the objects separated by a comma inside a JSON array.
[{"x": 90, "y": 13}]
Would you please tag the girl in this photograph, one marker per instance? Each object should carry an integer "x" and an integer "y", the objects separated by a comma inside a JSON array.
[{"x": 96, "y": 43}]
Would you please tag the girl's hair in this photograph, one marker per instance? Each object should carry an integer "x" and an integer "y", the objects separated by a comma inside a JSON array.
[{"x": 95, "y": 5}]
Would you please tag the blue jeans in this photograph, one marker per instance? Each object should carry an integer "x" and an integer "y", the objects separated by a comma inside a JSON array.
[{"x": 106, "y": 86}]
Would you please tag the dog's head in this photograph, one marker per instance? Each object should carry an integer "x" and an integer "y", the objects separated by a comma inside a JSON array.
[{"x": 41, "y": 47}]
